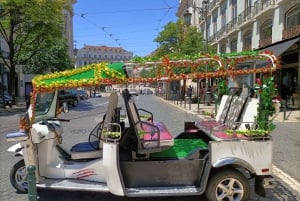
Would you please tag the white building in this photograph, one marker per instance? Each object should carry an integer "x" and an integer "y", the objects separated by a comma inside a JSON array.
[
  {"x": 236, "y": 25},
  {"x": 95, "y": 54}
]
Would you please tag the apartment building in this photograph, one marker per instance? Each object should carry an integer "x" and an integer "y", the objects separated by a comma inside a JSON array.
[
  {"x": 95, "y": 54},
  {"x": 242, "y": 25}
]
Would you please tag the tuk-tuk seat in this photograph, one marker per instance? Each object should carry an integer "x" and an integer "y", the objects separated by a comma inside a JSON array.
[
  {"x": 90, "y": 150},
  {"x": 246, "y": 122},
  {"x": 151, "y": 136},
  {"x": 232, "y": 109}
]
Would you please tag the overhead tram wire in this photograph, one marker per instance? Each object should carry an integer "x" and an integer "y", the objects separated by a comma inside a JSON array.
[
  {"x": 110, "y": 35},
  {"x": 103, "y": 28}
]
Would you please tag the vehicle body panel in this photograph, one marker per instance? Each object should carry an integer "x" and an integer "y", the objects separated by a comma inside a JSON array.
[{"x": 256, "y": 156}]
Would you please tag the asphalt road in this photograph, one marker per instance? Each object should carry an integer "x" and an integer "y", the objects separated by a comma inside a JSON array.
[{"x": 88, "y": 112}]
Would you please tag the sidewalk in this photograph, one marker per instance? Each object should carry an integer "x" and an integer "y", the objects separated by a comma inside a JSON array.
[
  {"x": 290, "y": 115},
  {"x": 20, "y": 108}
]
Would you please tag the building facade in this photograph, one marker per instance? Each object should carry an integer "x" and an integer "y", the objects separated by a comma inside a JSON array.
[
  {"x": 95, "y": 54},
  {"x": 242, "y": 25}
]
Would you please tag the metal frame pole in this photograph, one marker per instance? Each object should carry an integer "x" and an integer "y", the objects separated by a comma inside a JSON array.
[{"x": 205, "y": 12}]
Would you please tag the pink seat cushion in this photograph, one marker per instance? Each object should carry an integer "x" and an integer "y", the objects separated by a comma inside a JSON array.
[
  {"x": 164, "y": 133},
  {"x": 223, "y": 135}
]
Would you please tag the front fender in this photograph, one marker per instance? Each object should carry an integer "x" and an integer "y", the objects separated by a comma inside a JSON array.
[
  {"x": 233, "y": 161},
  {"x": 16, "y": 148}
]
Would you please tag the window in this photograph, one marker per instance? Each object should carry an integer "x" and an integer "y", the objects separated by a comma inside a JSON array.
[
  {"x": 223, "y": 48},
  {"x": 233, "y": 45},
  {"x": 293, "y": 17},
  {"x": 223, "y": 14},
  {"x": 247, "y": 3},
  {"x": 215, "y": 26},
  {"x": 266, "y": 29},
  {"x": 247, "y": 40},
  {"x": 233, "y": 10}
]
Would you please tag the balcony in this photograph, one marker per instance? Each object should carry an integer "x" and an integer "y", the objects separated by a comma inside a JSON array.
[
  {"x": 231, "y": 26},
  {"x": 246, "y": 16},
  {"x": 265, "y": 41},
  {"x": 213, "y": 5},
  {"x": 291, "y": 32},
  {"x": 221, "y": 33},
  {"x": 263, "y": 6}
]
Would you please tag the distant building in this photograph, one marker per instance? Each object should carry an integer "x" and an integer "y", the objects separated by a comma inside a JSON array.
[
  {"x": 95, "y": 54},
  {"x": 235, "y": 26}
]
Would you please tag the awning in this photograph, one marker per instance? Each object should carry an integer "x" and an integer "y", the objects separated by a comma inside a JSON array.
[
  {"x": 277, "y": 49},
  {"x": 280, "y": 48}
]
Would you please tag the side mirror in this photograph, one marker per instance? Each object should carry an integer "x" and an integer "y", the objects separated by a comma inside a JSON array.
[{"x": 65, "y": 107}]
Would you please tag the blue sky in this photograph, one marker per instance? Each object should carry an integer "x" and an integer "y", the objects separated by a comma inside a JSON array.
[{"x": 130, "y": 24}]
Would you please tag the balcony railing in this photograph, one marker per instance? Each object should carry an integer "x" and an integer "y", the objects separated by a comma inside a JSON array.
[
  {"x": 231, "y": 25},
  {"x": 246, "y": 15},
  {"x": 266, "y": 41},
  {"x": 263, "y": 5},
  {"x": 291, "y": 32}
]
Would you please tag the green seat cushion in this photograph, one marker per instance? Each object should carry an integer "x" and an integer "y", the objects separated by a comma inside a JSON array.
[{"x": 181, "y": 148}]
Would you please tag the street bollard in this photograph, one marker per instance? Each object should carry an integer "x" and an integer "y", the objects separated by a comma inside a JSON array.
[
  {"x": 284, "y": 110},
  {"x": 31, "y": 183}
]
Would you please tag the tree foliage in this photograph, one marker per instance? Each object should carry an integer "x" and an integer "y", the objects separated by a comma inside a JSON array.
[
  {"x": 178, "y": 40},
  {"x": 26, "y": 27},
  {"x": 52, "y": 56}
]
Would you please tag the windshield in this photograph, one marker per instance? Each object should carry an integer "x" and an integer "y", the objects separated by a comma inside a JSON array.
[{"x": 43, "y": 103}]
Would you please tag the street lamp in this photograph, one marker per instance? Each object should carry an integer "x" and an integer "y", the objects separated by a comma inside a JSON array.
[
  {"x": 187, "y": 17},
  {"x": 75, "y": 51}
]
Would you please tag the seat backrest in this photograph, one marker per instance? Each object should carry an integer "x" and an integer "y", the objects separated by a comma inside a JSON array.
[
  {"x": 111, "y": 108},
  {"x": 236, "y": 108},
  {"x": 134, "y": 116},
  {"x": 249, "y": 114},
  {"x": 110, "y": 113},
  {"x": 223, "y": 108}
]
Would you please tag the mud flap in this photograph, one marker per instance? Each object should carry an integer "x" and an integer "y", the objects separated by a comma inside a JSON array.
[{"x": 259, "y": 186}]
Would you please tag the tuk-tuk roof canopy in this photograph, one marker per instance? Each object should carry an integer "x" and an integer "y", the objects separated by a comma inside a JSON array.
[
  {"x": 223, "y": 65},
  {"x": 90, "y": 75}
]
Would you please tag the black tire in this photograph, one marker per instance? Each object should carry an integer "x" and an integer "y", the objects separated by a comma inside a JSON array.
[
  {"x": 228, "y": 184},
  {"x": 18, "y": 177}
]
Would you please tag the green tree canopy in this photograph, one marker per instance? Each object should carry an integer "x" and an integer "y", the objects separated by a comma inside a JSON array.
[
  {"x": 52, "y": 56},
  {"x": 26, "y": 27},
  {"x": 179, "y": 40}
]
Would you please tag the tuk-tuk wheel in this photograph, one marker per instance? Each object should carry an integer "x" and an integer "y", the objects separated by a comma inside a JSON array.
[
  {"x": 18, "y": 177},
  {"x": 228, "y": 184}
]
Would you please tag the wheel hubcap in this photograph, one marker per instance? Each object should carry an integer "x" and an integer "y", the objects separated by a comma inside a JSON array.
[
  {"x": 20, "y": 177},
  {"x": 229, "y": 189}
]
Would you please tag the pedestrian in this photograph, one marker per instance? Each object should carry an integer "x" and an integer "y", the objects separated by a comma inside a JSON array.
[{"x": 190, "y": 91}]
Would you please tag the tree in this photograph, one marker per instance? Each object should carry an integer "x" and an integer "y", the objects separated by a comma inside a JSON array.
[
  {"x": 52, "y": 56},
  {"x": 26, "y": 27},
  {"x": 178, "y": 40}
]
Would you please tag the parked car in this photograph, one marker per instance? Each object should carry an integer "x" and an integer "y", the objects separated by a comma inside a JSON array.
[
  {"x": 82, "y": 94},
  {"x": 6, "y": 101},
  {"x": 133, "y": 92},
  {"x": 68, "y": 96}
]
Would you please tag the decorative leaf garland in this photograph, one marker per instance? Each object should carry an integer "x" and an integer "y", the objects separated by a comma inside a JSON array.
[
  {"x": 206, "y": 66},
  {"x": 267, "y": 91}
]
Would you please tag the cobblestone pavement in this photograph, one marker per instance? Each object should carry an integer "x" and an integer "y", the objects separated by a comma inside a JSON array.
[{"x": 287, "y": 190}]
